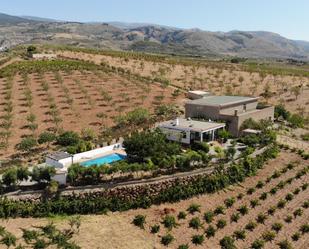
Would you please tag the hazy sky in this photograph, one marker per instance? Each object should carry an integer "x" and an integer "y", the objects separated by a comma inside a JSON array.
[{"x": 289, "y": 18}]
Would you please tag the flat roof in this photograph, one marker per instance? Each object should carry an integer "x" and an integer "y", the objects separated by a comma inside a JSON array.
[
  {"x": 199, "y": 92},
  {"x": 58, "y": 155},
  {"x": 222, "y": 100},
  {"x": 192, "y": 125}
]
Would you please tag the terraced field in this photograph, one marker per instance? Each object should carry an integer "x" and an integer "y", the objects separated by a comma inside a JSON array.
[
  {"x": 288, "y": 85},
  {"x": 70, "y": 100},
  {"x": 270, "y": 207}
]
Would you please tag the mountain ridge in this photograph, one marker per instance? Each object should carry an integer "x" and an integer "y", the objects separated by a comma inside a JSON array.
[{"x": 146, "y": 37}]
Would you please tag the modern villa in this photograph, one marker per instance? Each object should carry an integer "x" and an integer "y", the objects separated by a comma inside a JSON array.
[
  {"x": 188, "y": 131},
  {"x": 233, "y": 110}
]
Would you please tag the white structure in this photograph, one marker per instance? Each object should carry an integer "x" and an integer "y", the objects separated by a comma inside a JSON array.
[
  {"x": 59, "y": 159},
  {"x": 187, "y": 131},
  {"x": 65, "y": 160},
  {"x": 44, "y": 56},
  {"x": 197, "y": 94}
]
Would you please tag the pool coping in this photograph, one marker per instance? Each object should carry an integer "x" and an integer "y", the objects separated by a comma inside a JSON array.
[{"x": 115, "y": 151}]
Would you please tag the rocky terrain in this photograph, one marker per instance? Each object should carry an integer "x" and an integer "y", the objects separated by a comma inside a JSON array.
[{"x": 149, "y": 38}]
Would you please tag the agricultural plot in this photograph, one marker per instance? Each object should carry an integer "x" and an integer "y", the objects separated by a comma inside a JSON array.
[
  {"x": 269, "y": 208},
  {"x": 218, "y": 78},
  {"x": 265, "y": 211},
  {"x": 70, "y": 100}
]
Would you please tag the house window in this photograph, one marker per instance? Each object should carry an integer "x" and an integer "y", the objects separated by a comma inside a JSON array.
[
  {"x": 245, "y": 107},
  {"x": 184, "y": 135}
]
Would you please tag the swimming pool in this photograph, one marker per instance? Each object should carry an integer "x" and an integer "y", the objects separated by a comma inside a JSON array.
[{"x": 104, "y": 160}]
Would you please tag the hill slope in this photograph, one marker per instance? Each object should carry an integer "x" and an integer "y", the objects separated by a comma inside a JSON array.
[{"x": 150, "y": 38}]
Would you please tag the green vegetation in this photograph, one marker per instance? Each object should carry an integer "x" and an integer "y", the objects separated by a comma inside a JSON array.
[
  {"x": 95, "y": 204},
  {"x": 139, "y": 220},
  {"x": 43, "y": 236},
  {"x": 169, "y": 222},
  {"x": 167, "y": 239},
  {"x": 227, "y": 243}
]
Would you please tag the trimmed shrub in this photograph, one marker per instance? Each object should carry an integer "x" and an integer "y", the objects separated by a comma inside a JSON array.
[
  {"x": 289, "y": 197},
  {"x": 268, "y": 235},
  {"x": 208, "y": 216},
  {"x": 229, "y": 202},
  {"x": 239, "y": 234},
  {"x": 169, "y": 222},
  {"x": 288, "y": 219},
  {"x": 261, "y": 218},
  {"x": 276, "y": 227},
  {"x": 243, "y": 210},
  {"x": 260, "y": 184},
  {"x": 251, "y": 225},
  {"x": 139, "y": 221},
  {"x": 235, "y": 217},
  {"x": 167, "y": 239},
  {"x": 194, "y": 208},
  {"x": 250, "y": 191},
  {"x": 258, "y": 244},
  {"x": 263, "y": 196},
  {"x": 295, "y": 236},
  {"x": 195, "y": 223},
  {"x": 210, "y": 231},
  {"x": 181, "y": 215},
  {"x": 271, "y": 210},
  {"x": 221, "y": 223},
  {"x": 304, "y": 228},
  {"x": 198, "y": 239},
  {"x": 219, "y": 210},
  {"x": 227, "y": 243},
  {"x": 285, "y": 244},
  {"x": 155, "y": 229},
  {"x": 240, "y": 196},
  {"x": 254, "y": 203},
  {"x": 281, "y": 204},
  {"x": 298, "y": 212}
]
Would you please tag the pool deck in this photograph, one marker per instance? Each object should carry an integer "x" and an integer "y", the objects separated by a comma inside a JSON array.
[{"x": 116, "y": 151}]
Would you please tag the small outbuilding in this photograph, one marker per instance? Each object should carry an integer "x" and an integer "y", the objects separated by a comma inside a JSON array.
[
  {"x": 188, "y": 131},
  {"x": 197, "y": 94},
  {"x": 59, "y": 159}
]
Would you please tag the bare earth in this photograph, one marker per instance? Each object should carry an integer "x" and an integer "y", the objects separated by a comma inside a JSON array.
[{"x": 116, "y": 231}]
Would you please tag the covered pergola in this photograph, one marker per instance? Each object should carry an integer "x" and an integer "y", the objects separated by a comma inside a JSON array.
[{"x": 188, "y": 130}]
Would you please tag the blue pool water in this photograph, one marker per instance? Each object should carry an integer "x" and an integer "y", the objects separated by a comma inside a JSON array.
[{"x": 104, "y": 160}]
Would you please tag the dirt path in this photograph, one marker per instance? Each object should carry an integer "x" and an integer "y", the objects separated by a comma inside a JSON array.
[{"x": 293, "y": 143}]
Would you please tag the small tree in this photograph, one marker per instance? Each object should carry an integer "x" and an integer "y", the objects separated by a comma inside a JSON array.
[
  {"x": 139, "y": 220},
  {"x": 227, "y": 243},
  {"x": 9, "y": 178},
  {"x": 46, "y": 137},
  {"x": 26, "y": 144}
]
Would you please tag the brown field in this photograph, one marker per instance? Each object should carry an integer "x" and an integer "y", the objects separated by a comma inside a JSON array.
[
  {"x": 79, "y": 97},
  {"x": 217, "y": 78},
  {"x": 116, "y": 231}
]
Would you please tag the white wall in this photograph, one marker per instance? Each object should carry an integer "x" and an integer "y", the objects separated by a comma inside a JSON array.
[
  {"x": 60, "y": 177},
  {"x": 64, "y": 163},
  {"x": 176, "y": 135},
  {"x": 54, "y": 163},
  {"x": 92, "y": 153}
]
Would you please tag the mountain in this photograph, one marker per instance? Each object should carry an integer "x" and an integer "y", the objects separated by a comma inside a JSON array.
[
  {"x": 149, "y": 38},
  {"x": 12, "y": 20},
  {"x": 39, "y": 19}
]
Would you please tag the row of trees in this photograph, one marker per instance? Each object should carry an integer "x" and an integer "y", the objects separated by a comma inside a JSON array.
[{"x": 12, "y": 177}]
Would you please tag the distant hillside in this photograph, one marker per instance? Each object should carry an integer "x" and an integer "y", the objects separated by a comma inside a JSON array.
[
  {"x": 150, "y": 38},
  {"x": 11, "y": 20}
]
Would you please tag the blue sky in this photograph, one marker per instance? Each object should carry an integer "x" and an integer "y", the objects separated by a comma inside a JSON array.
[{"x": 289, "y": 18}]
